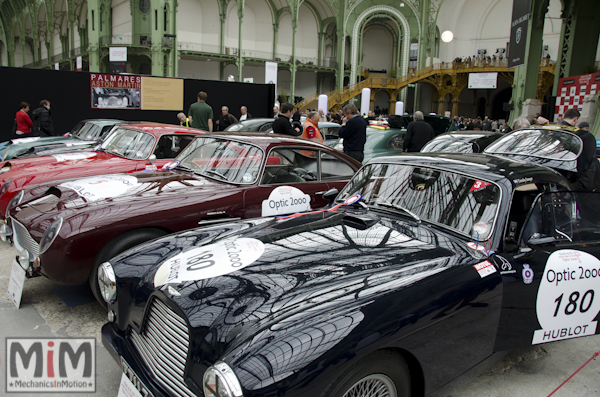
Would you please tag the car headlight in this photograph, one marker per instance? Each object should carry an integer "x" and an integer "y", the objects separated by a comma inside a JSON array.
[
  {"x": 4, "y": 169},
  {"x": 220, "y": 381},
  {"x": 24, "y": 259},
  {"x": 107, "y": 282},
  {"x": 4, "y": 187},
  {"x": 15, "y": 201},
  {"x": 50, "y": 235}
]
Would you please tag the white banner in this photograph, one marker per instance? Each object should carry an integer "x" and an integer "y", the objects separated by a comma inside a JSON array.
[
  {"x": 271, "y": 75},
  {"x": 483, "y": 80},
  {"x": 117, "y": 54}
]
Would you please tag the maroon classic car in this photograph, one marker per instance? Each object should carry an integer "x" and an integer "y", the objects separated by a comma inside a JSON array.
[
  {"x": 66, "y": 229},
  {"x": 132, "y": 147}
]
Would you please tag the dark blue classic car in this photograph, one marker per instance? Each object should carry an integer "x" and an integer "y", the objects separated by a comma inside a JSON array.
[{"x": 423, "y": 269}]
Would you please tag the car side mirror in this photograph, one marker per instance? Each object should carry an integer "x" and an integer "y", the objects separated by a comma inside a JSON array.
[
  {"x": 330, "y": 195},
  {"x": 152, "y": 159}
]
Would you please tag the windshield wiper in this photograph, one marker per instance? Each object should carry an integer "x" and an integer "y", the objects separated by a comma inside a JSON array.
[
  {"x": 184, "y": 167},
  {"x": 216, "y": 173},
  {"x": 386, "y": 203}
]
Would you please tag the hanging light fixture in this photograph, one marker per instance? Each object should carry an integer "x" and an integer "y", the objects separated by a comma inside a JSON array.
[{"x": 447, "y": 36}]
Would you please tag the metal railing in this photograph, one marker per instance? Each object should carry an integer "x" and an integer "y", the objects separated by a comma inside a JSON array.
[{"x": 344, "y": 94}]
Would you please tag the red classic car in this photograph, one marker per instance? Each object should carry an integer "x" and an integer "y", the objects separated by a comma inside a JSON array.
[
  {"x": 64, "y": 230},
  {"x": 133, "y": 147}
]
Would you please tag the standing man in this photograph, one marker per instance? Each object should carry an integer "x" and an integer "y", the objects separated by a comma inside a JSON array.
[
  {"x": 183, "y": 121},
  {"x": 322, "y": 116},
  {"x": 42, "y": 122},
  {"x": 282, "y": 124},
  {"x": 588, "y": 168},
  {"x": 354, "y": 132},
  {"x": 275, "y": 112},
  {"x": 226, "y": 119},
  {"x": 245, "y": 115},
  {"x": 418, "y": 133},
  {"x": 311, "y": 128},
  {"x": 201, "y": 114}
]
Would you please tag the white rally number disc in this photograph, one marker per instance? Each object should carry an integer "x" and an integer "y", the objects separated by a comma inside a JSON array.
[
  {"x": 209, "y": 261},
  {"x": 568, "y": 299}
]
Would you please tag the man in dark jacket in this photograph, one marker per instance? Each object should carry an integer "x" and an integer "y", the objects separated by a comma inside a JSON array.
[
  {"x": 354, "y": 132},
  {"x": 42, "y": 122},
  {"x": 588, "y": 168},
  {"x": 226, "y": 119},
  {"x": 282, "y": 124},
  {"x": 418, "y": 133}
]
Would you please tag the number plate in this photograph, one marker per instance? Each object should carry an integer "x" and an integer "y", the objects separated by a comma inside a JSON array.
[{"x": 135, "y": 381}]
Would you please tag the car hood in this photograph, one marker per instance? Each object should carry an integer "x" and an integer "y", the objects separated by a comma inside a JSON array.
[
  {"x": 78, "y": 193},
  {"x": 310, "y": 272}
]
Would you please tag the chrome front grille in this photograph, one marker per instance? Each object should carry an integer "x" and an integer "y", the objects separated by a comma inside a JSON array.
[
  {"x": 23, "y": 239},
  {"x": 164, "y": 346}
]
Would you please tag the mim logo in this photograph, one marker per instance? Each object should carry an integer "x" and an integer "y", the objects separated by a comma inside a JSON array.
[{"x": 50, "y": 365}]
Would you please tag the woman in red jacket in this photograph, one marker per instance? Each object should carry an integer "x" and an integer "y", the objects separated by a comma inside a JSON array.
[{"x": 24, "y": 122}]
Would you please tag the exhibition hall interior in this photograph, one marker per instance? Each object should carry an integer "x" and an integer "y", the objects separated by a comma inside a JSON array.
[
  {"x": 319, "y": 46},
  {"x": 276, "y": 198}
]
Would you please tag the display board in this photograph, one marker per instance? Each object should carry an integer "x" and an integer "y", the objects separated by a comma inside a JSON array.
[
  {"x": 572, "y": 90},
  {"x": 69, "y": 93},
  {"x": 160, "y": 93},
  {"x": 483, "y": 81}
]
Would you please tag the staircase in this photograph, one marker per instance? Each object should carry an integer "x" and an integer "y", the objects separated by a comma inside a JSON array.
[{"x": 339, "y": 97}]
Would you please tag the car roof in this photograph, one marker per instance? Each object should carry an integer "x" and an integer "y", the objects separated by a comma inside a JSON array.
[
  {"x": 158, "y": 129},
  {"x": 264, "y": 139},
  {"x": 480, "y": 165}
]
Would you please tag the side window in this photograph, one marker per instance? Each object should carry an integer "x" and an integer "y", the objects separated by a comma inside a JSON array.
[
  {"x": 330, "y": 132},
  {"x": 169, "y": 146},
  {"x": 522, "y": 204},
  {"x": 290, "y": 166},
  {"x": 565, "y": 217},
  {"x": 334, "y": 168},
  {"x": 570, "y": 217},
  {"x": 265, "y": 128}
]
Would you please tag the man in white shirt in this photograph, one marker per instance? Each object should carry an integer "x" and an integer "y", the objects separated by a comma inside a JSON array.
[{"x": 245, "y": 115}]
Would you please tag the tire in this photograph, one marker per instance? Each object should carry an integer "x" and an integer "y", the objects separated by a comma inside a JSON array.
[
  {"x": 113, "y": 248},
  {"x": 380, "y": 374}
]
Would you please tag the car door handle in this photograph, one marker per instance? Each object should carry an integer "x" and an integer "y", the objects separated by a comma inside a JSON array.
[{"x": 321, "y": 192}]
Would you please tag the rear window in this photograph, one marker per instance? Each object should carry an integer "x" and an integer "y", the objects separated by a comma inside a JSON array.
[{"x": 547, "y": 144}]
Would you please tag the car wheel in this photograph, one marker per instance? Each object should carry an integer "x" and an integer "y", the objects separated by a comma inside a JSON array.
[
  {"x": 380, "y": 374},
  {"x": 116, "y": 246}
]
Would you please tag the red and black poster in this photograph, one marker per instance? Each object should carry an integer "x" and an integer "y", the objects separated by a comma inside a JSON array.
[
  {"x": 572, "y": 90},
  {"x": 115, "y": 91}
]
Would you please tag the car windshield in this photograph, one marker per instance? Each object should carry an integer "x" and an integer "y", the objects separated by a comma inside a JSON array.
[
  {"x": 465, "y": 204},
  {"x": 131, "y": 144},
  {"x": 547, "y": 144},
  {"x": 88, "y": 132},
  {"x": 451, "y": 144},
  {"x": 222, "y": 159}
]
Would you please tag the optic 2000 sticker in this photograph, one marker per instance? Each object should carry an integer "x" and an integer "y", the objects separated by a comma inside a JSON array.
[
  {"x": 209, "y": 261},
  {"x": 103, "y": 186},
  {"x": 285, "y": 200},
  {"x": 566, "y": 304}
]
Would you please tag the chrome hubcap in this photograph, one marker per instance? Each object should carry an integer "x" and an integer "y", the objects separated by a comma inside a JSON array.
[{"x": 377, "y": 385}]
